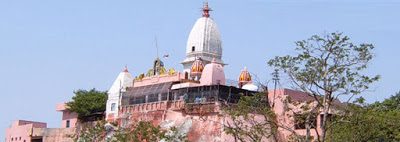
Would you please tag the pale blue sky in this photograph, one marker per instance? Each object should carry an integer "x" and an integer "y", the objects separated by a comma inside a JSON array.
[{"x": 48, "y": 48}]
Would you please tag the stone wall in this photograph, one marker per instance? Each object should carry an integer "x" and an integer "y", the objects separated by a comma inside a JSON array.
[{"x": 54, "y": 134}]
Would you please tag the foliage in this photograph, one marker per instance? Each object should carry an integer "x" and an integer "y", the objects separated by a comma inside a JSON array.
[
  {"x": 368, "y": 123},
  {"x": 142, "y": 131},
  {"x": 91, "y": 132},
  {"x": 174, "y": 135},
  {"x": 85, "y": 102},
  {"x": 251, "y": 119},
  {"x": 393, "y": 103},
  {"x": 326, "y": 68}
]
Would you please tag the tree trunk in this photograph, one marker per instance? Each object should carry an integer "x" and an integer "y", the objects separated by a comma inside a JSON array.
[
  {"x": 325, "y": 116},
  {"x": 308, "y": 127}
]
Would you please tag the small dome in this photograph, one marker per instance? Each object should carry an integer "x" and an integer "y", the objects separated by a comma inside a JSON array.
[
  {"x": 197, "y": 67},
  {"x": 213, "y": 74},
  {"x": 244, "y": 76},
  {"x": 250, "y": 87}
]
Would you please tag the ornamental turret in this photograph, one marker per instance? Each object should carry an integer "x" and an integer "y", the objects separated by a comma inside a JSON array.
[
  {"x": 197, "y": 69},
  {"x": 244, "y": 77}
]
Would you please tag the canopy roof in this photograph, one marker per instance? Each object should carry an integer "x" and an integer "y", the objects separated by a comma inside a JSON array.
[{"x": 149, "y": 89}]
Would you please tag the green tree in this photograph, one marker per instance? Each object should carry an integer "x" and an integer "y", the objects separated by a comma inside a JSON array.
[
  {"x": 251, "y": 119},
  {"x": 87, "y": 102},
  {"x": 391, "y": 104},
  {"x": 367, "y": 123},
  {"x": 327, "y": 67}
]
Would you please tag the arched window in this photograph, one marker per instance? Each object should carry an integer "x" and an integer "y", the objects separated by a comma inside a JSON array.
[{"x": 193, "y": 48}]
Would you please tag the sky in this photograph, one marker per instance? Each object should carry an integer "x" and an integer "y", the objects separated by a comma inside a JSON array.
[{"x": 49, "y": 48}]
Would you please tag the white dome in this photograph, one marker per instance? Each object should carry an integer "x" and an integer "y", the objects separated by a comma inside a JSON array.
[
  {"x": 205, "y": 37},
  {"x": 250, "y": 87},
  {"x": 204, "y": 41}
]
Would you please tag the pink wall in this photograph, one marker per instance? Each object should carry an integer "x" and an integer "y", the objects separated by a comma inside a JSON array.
[
  {"x": 54, "y": 134},
  {"x": 24, "y": 131},
  {"x": 21, "y": 130},
  {"x": 285, "y": 112},
  {"x": 159, "y": 79},
  {"x": 67, "y": 115},
  {"x": 72, "y": 117}
]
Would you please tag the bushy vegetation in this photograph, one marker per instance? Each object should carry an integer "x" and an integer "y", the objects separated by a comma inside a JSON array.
[
  {"x": 251, "y": 119},
  {"x": 91, "y": 132},
  {"x": 142, "y": 131},
  {"x": 363, "y": 122},
  {"x": 88, "y": 102}
]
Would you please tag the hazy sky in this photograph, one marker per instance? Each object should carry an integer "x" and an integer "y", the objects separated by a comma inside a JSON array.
[{"x": 49, "y": 48}]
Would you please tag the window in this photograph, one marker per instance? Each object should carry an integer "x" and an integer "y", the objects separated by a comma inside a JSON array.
[
  {"x": 152, "y": 98},
  {"x": 113, "y": 106},
  {"x": 300, "y": 121},
  {"x": 193, "y": 48},
  {"x": 67, "y": 125}
]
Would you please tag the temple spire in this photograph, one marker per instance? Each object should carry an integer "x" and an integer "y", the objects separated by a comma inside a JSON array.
[
  {"x": 206, "y": 10},
  {"x": 125, "y": 69}
]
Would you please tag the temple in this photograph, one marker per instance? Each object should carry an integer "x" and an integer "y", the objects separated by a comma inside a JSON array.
[{"x": 190, "y": 100}]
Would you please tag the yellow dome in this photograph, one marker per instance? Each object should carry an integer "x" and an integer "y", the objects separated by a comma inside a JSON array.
[
  {"x": 197, "y": 67},
  {"x": 244, "y": 76}
]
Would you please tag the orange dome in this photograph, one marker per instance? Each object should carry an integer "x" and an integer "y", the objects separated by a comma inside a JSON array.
[
  {"x": 197, "y": 67},
  {"x": 244, "y": 76}
]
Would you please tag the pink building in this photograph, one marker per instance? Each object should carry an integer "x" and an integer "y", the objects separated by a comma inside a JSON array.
[
  {"x": 69, "y": 119},
  {"x": 30, "y": 131},
  {"x": 183, "y": 102},
  {"x": 21, "y": 131},
  {"x": 286, "y": 104}
]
